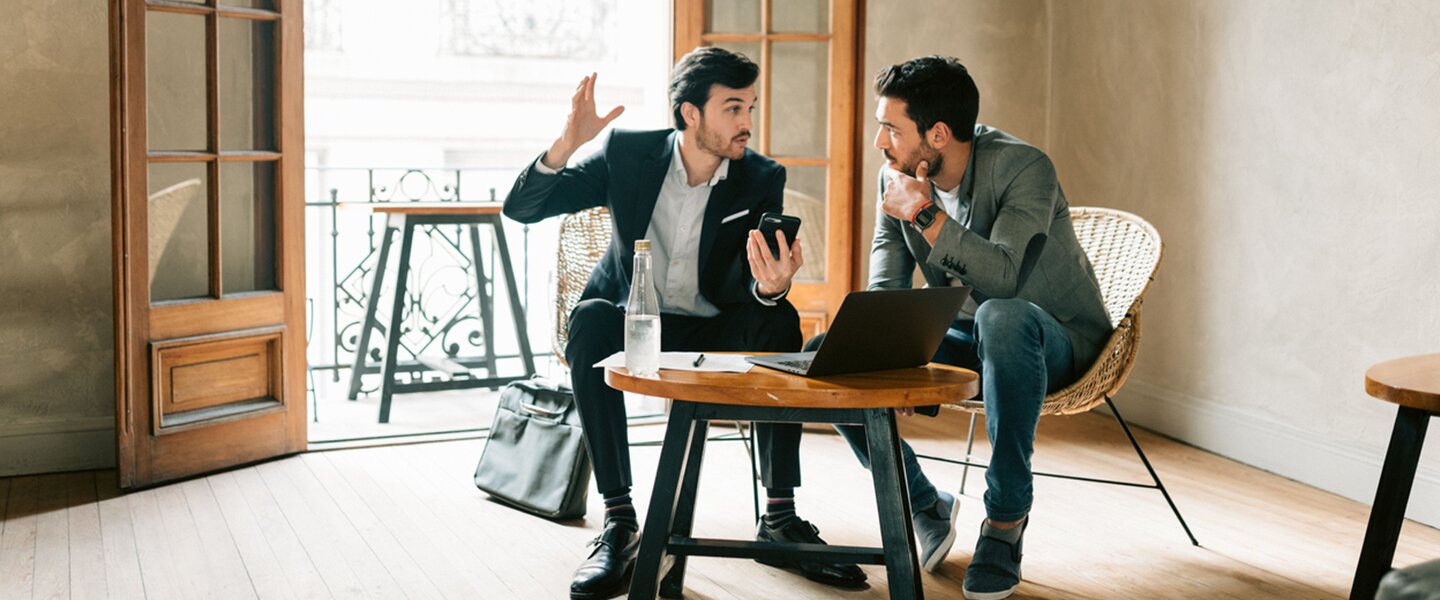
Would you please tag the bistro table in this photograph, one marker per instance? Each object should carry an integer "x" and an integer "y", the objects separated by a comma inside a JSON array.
[
  {"x": 404, "y": 218},
  {"x": 1414, "y": 384},
  {"x": 765, "y": 395}
]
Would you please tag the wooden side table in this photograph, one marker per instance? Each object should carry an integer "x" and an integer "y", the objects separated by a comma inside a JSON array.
[
  {"x": 404, "y": 218},
  {"x": 1414, "y": 384},
  {"x": 867, "y": 399}
]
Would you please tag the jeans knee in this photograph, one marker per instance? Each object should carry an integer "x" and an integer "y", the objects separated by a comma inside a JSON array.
[{"x": 1004, "y": 320}]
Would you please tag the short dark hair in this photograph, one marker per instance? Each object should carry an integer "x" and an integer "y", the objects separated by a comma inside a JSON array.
[
  {"x": 935, "y": 89},
  {"x": 702, "y": 68}
]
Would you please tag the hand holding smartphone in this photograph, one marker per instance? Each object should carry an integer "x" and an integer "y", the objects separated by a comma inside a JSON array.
[{"x": 772, "y": 222}]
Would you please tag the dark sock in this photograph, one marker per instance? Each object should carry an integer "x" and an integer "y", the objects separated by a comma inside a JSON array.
[
  {"x": 781, "y": 505},
  {"x": 619, "y": 508}
]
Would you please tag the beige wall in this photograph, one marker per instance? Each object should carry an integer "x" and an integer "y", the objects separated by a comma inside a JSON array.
[
  {"x": 1286, "y": 151},
  {"x": 57, "y": 381}
]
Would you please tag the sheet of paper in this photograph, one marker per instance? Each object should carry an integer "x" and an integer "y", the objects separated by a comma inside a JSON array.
[{"x": 685, "y": 361}]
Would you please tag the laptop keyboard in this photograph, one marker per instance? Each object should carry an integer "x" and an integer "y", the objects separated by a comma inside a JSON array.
[{"x": 796, "y": 364}]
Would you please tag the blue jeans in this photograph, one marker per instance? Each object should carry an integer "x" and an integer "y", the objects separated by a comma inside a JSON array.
[{"x": 1021, "y": 353}]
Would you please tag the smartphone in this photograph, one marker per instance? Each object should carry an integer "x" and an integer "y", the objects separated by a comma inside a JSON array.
[{"x": 772, "y": 222}]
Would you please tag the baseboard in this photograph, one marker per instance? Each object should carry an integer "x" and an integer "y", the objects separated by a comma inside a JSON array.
[
  {"x": 1349, "y": 470},
  {"x": 56, "y": 445}
]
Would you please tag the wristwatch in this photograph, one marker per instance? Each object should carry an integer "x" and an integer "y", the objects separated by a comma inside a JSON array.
[{"x": 925, "y": 216}]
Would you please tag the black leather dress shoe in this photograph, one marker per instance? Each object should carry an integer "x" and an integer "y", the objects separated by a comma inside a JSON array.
[
  {"x": 797, "y": 530},
  {"x": 603, "y": 575}
]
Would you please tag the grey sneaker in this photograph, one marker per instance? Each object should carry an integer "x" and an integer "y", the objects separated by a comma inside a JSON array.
[
  {"x": 935, "y": 527},
  {"x": 994, "y": 571}
]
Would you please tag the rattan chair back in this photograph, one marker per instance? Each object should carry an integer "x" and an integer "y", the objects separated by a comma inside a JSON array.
[
  {"x": 1125, "y": 251},
  {"x": 584, "y": 237}
]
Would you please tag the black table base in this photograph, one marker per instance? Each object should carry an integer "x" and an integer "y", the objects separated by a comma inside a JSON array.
[
  {"x": 672, "y": 506},
  {"x": 1388, "y": 513}
]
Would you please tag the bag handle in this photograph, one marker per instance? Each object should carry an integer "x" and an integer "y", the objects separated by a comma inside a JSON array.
[{"x": 539, "y": 412}]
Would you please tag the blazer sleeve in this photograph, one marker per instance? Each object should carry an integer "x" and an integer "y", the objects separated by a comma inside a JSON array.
[
  {"x": 537, "y": 196},
  {"x": 891, "y": 264},
  {"x": 996, "y": 267}
]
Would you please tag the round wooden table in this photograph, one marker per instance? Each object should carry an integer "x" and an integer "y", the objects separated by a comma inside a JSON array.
[
  {"x": 1414, "y": 384},
  {"x": 766, "y": 395}
]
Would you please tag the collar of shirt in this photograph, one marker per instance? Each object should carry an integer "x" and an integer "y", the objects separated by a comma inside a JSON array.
[{"x": 677, "y": 166}]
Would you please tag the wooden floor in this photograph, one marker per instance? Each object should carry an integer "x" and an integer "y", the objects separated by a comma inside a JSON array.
[{"x": 405, "y": 522}]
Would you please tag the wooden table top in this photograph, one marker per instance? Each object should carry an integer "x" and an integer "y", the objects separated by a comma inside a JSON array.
[
  {"x": 921, "y": 386},
  {"x": 1412, "y": 381},
  {"x": 437, "y": 208}
]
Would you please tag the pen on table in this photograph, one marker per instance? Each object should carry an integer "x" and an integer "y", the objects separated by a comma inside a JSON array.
[{"x": 698, "y": 360}]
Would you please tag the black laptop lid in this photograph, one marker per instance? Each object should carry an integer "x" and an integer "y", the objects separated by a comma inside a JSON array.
[{"x": 887, "y": 329}]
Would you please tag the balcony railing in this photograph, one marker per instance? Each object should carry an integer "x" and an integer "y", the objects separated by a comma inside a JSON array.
[{"x": 442, "y": 319}]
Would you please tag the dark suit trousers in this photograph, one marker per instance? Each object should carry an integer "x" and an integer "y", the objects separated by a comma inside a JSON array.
[{"x": 597, "y": 330}]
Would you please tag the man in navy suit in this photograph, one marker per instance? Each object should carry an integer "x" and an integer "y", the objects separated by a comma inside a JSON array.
[{"x": 697, "y": 193}]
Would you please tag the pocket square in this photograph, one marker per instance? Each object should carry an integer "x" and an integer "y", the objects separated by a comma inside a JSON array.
[{"x": 734, "y": 216}]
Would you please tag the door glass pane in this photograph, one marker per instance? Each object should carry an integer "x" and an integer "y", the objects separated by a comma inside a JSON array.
[
  {"x": 732, "y": 16},
  {"x": 175, "y": 81},
  {"x": 178, "y": 229},
  {"x": 800, "y": 16},
  {"x": 800, "y": 110},
  {"x": 247, "y": 226},
  {"x": 805, "y": 198},
  {"x": 246, "y": 84},
  {"x": 751, "y": 50}
]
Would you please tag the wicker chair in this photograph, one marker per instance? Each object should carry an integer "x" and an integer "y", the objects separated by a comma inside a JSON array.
[
  {"x": 1125, "y": 251},
  {"x": 584, "y": 238}
]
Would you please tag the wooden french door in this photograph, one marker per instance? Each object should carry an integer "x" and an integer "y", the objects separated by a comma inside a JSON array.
[
  {"x": 209, "y": 242},
  {"x": 806, "y": 50}
]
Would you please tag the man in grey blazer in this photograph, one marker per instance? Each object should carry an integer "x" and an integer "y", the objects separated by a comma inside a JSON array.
[{"x": 971, "y": 205}]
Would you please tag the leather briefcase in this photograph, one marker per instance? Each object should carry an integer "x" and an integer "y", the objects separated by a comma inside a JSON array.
[{"x": 535, "y": 458}]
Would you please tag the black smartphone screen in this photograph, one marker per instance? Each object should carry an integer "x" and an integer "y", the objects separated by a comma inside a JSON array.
[{"x": 771, "y": 222}]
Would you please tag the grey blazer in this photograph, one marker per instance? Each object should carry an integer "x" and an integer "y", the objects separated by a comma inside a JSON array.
[{"x": 1016, "y": 242}]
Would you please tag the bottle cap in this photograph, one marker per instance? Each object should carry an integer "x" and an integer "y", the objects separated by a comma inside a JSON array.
[{"x": 642, "y": 245}]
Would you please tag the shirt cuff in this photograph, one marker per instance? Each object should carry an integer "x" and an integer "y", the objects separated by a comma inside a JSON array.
[
  {"x": 755, "y": 291},
  {"x": 541, "y": 168}
]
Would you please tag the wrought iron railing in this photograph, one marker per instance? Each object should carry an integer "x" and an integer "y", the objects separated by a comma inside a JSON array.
[{"x": 442, "y": 312}]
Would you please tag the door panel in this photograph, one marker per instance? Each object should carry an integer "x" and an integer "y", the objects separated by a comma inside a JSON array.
[
  {"x": 209, "y": 235},
  {"x": 805, "y": 120}
]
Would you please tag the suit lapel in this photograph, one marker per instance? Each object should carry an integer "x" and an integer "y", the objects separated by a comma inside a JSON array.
[
  {"x": 652, "y": 177},
  {"x": 722, "y": 202}
]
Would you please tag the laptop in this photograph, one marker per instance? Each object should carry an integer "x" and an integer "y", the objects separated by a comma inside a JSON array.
[{"x": 877, "y": 330}]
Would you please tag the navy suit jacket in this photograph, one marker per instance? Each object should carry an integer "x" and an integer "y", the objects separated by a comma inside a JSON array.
[{"x": 626, "y": 176}]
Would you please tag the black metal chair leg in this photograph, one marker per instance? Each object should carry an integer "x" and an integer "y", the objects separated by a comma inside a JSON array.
[
  {"x": 969, "y": 449},
  {"x": 1153, "y": 476},
  {"x": 1392, "y": 495},
  {"x": 902, "y": 566},
  {"x": 659, "y": 519},
  {"x": 747, "y": 431}
]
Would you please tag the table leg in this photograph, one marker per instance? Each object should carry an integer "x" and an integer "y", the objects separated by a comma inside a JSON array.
[
  {"x": 392, "y": 336},
  {"x": 902, "y": 566},
  {"x": 371, "y": 302},
  {"x": 486, "y": 302},
  {"x": 516, "y": 311},
  {"x": 1388, "y": 513},
  {"x": 660, "y": 518},
  {"x": 673, "y": 584}
]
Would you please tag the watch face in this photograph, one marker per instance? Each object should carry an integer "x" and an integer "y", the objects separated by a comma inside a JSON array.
[{"x": 926, "y": 216}]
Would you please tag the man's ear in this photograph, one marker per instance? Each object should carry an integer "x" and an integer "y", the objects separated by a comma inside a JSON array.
[
  {"x": 939, "y": 135},
  {"x": 691, "y": 113}
]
